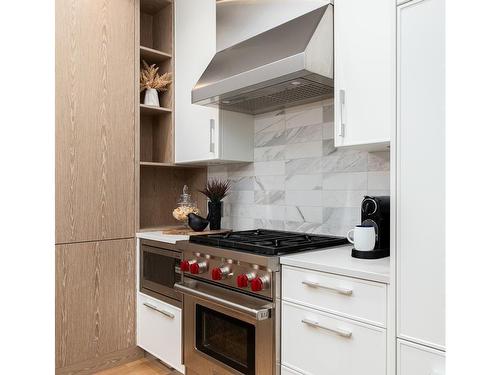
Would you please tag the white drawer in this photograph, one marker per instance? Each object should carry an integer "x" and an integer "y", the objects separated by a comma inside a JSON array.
[
  {"x": 414, "y": 359},
  {"x": 319, "y": 343},
  {"x": 362, "y": 300},
  {"x": 159, "y": 330}
]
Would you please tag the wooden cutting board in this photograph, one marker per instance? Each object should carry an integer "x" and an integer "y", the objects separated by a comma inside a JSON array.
[{"x": 183, "y": 231}]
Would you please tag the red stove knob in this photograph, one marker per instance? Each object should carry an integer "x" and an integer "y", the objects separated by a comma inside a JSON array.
[
  {"x": 259, "y": 283},
  {"x": 216, "y": 274},
  {"x": 220, "y": 272},
  {"x": 185, "y": 266},
  {"x": 242, "y": 281},
  {"x": 194, "y": 268},
  {"x": 198, "y": 267}
]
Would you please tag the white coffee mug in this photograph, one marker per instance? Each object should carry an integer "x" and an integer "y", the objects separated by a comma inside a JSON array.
[{"x": 363, "y": 238}]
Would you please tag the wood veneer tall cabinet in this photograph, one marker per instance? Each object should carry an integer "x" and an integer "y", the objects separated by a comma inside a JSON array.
[
  {"x": 95, "y": 184},
  {"x": 420, "y": 188},
  {"x": 94, "y": 120},
  {"x": 95, "y": 305}
]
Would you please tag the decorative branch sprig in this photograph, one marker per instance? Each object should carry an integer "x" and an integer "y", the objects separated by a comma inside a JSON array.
[
  {"x": 216, "y": 190},
  {"x": 150, "y": 79}
]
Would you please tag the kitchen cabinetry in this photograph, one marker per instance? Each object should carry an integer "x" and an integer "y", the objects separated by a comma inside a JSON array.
[
  {"x": 416, "y": 359},
  {"x": 94, "y": 120},
  {"x": 203, "y": 134},
  {"x": 324, "y": 327},
  {"x": 95, "y": 305},
  {"x": 364, "y": 43},
  {"x": 420, "y": 174},
  {"x": 159, "y": 330},
  {"x": 95, "y": 192},
  {"x": 159, "y": 181},
  {"x": 321, "y": 343},
  {"x": 335, "y": 294}
]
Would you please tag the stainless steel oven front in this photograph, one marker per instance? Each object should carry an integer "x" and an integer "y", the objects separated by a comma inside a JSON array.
[
  {"x": 159, "y": 271},
  {"x": 227, "y": 332}
]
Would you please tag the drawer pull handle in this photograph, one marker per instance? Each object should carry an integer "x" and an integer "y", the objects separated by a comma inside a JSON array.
[
  {"x": 345, "y": 292},
  {"x": 164, "y": 312},
  {"x": 337, "y": 331}
]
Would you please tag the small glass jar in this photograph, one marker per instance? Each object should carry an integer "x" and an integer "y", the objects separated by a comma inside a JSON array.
[{"x": 185, "y": 206}]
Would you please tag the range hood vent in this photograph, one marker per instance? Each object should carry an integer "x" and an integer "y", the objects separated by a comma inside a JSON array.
[{"x": 288, "y": 65}]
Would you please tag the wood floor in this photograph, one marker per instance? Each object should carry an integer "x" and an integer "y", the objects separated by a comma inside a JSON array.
[{"x": 143, "y": 366}]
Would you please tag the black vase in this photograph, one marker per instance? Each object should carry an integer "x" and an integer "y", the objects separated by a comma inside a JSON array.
[
  {"x": 197, "y": 223},
  {"x": 214, "y": 214}
]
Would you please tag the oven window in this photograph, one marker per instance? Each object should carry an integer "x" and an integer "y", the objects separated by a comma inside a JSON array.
[
  {"x": 159, "y": 269},
  {"x": 229, "y": 340}
]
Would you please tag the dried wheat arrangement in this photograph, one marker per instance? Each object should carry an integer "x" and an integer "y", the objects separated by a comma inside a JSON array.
[{"x": 150, "y": 79}]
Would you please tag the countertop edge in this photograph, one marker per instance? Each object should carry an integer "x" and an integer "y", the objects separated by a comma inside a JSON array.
[{"x": 159, "y": 236}]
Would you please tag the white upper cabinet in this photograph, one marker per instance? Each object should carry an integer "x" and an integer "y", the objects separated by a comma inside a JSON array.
[
  {"x": 203, "y": 134},
  {"x": 364, "y": 79},
  {"x": 420, "y": 173}
]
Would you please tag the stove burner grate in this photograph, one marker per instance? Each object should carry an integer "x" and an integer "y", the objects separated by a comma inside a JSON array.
[{"x": 268, "y": 242}]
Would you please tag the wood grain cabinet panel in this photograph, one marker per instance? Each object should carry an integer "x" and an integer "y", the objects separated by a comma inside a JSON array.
[
  {"x": 94, "y": 120},
  {"x": 95, "y": 300}
]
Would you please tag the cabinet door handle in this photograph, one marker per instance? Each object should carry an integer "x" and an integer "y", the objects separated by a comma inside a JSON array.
[
  {"x": 337, "y": 331},
  {"x": 212, "y": 131},
  {"x": 164, "y": 312},
  {"x": 341, "y": 130},
  {"x": 313, "y": 284}
]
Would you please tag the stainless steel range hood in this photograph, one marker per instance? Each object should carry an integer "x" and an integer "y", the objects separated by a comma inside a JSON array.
[{"x": 288, "y": 65}]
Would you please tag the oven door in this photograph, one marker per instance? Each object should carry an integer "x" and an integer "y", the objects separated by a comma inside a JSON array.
[
  {"x": 226, "y": 332},
  {"x": 159, "y": 272}
]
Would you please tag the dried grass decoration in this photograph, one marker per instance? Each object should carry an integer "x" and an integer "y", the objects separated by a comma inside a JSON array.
[
  {"x": 216, "y": 190},
  {"x": 150, "y": 79}
]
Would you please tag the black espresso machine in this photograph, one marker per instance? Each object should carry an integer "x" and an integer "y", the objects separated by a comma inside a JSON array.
[{"x": 376, "y": 212}]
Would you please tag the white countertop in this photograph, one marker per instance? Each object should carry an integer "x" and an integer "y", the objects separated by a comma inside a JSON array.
[
  {"x": 338, "y": 260},
  {"x": 159, "y": 236}
]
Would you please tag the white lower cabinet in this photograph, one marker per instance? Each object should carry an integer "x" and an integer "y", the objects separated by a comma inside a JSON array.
[
  {"x": 159, "y": 330},
  {"x": 319, "y": 343},
  {"x": 414, "y": 359},
  {"x": 361, "y": 300}
]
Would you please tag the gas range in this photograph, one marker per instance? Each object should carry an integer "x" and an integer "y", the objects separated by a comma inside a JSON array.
[
  {"x": 246, "y": 261},
  {"x": 231, "y": 298}
]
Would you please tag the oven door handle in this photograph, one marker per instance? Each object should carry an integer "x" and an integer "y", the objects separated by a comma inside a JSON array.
[{"x": 262, "y": 313}]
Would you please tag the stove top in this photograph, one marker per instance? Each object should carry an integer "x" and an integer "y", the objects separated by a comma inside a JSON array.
[{"x": 268, "y": 242}]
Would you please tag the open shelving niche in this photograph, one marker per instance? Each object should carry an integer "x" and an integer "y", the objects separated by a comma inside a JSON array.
[{"x": 160, "y": 181}]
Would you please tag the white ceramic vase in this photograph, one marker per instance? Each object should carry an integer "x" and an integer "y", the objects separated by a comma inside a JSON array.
[{"x": 151, "y": 98}]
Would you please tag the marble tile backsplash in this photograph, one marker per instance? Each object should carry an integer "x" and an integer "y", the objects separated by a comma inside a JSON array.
[{"x": 298, "y": 180}]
